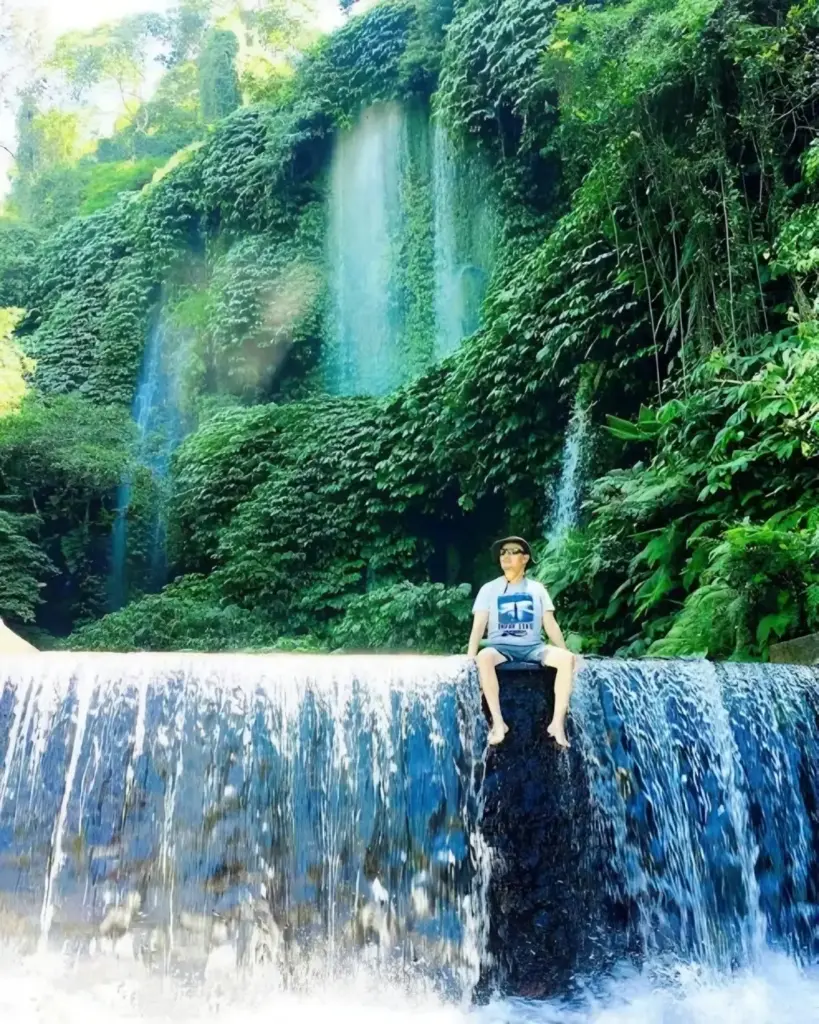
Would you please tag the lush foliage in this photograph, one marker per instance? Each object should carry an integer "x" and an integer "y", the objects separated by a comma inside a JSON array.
[
  {"x": 192, "y": 615},
  {"x": 721, "y": 521},
  {"x": 655, "y": 174},
  {"x": 60, "y": 463},
  {"x": 278, "y": 502},
  {"x": 14, "y": 366},
  {"x": 406, "y": 616},
  {"x": 19, "y": 249},
  {"x": 23, "y": 567},
  {"x": 187, "y": 616}
]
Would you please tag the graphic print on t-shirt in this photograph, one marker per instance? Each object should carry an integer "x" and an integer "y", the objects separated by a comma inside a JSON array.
[{"x": 516, "y": 614}]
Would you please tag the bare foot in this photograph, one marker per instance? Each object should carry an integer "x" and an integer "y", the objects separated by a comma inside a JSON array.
[
  {"x": 497, "y": 734},
  {"x": 558, "y": 734}
]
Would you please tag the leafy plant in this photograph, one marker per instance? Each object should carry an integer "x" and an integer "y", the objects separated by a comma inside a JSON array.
[
  {"x": 185, "y": 616},
  {"x": 23, "y": 568},
  {"x": 405, "y": 616}
]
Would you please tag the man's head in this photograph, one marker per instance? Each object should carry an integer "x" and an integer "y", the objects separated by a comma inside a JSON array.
[{"x": 514, "y": 555}]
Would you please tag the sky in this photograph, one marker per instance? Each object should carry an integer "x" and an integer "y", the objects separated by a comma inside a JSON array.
[
  {"x": 64, "y": 15},
  {"x": 55, "y": 17}
]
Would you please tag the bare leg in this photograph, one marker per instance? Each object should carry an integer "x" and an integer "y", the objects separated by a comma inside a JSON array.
[
  {"x": 564, "y": 663},
  {"x": 487, "y": 660}
]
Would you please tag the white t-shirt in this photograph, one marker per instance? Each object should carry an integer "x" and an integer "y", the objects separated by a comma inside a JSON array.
[{"x": 515, "y": 610}]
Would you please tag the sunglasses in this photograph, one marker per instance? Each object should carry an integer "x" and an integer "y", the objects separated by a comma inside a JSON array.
[{"x": 512, "y": 551}]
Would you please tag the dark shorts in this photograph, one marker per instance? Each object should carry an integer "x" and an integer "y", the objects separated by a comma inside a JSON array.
[{"x": 520, "y": 652}]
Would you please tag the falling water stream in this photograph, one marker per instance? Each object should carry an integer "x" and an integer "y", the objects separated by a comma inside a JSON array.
[
  {"x": 157, "y": 413},
  {"x": 405, "y": 211},
  {"x": 567, "y": 497},
  {"x": 233, "y": 837},
  {"x": 366, "y": 224},
  {"x": 464, "y": 242}
]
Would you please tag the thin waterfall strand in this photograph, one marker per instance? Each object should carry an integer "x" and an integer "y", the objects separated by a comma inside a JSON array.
[
  {"x": 161, "y": 426},
  {"x": 566, "y": 504}
]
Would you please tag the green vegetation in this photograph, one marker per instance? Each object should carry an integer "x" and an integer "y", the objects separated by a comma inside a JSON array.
[
  {"x": 218, "y": 79},
  {"x": 655, "y": 170},
  {"x": 61, "y": 459}
]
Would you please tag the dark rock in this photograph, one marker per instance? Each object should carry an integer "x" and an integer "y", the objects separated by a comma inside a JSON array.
[
  {"x": 549, "y": 918},
  {"x": 804, "y": 650}
]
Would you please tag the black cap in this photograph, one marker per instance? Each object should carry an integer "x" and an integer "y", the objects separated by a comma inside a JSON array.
[{"x": 512, "y": 540}]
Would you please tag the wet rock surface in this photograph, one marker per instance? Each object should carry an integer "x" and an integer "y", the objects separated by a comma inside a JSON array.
[{"x": 546, "y": 907}]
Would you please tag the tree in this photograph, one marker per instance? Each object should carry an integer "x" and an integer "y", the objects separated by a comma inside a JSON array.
[
  {"x": 163, "y": 125},
  {"x": 26, "y": 155},
  {"x": 218, "y": 80},
  {"x": 116, "y": 53},
  {"x": 22, "y": 568},
  {"x": 20, "y": 47},
  {"x": 280, "y": 26},
  {"x": 46, "y": 185},
  {"x": 184, "y": 29}
]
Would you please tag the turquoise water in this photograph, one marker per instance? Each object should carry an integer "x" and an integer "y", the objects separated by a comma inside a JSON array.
[{"x": 410, "y": 249}]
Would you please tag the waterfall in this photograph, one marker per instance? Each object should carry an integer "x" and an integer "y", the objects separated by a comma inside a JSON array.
[
  {"x": 566, "y": 502},
  {"x": 464, "y": 242},
  {"x": 366, "y": 223},
  {"x": 284, "y": 811},
  {"x": 449, "y": 305},
  {"x": 410, "y": 249},
  {"x": 237, "y": 836},
  {"x": 704, "y": 782},
  {"x": 160, "y": 427}
]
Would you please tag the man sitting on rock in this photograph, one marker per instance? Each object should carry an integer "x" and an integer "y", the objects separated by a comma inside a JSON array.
[{"x": 517, "y": 610}]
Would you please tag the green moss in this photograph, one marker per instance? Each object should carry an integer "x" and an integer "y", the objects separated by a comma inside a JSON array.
[{"x": 106, "y": 182}]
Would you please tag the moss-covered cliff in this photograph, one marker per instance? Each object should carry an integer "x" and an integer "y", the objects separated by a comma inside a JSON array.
[{"x": 651, "y": 169}]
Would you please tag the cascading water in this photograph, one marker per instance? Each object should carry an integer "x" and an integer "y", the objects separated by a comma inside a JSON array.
[
  {"x": 157, "y": 412},
  {"x": 566, "y": 503},
  {"x": 707, "y": 779},
  {"x": 464, "y": 242},
  {"x": 234, "y": 837},
  {"x": 410, "y": 250},
  {"x": 366, "y": 223},
  {"x": 240, "y": 813}
]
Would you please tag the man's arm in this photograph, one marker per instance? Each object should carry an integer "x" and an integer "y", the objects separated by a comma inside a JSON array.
[
  {"x": 552, "y": 630},
  {"x": 479, "y": 624}
]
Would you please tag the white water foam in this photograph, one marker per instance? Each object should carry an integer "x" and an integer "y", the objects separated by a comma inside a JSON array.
[
  {"x": 111, "y": 989},
  {"x": 775, "y": 991}
]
